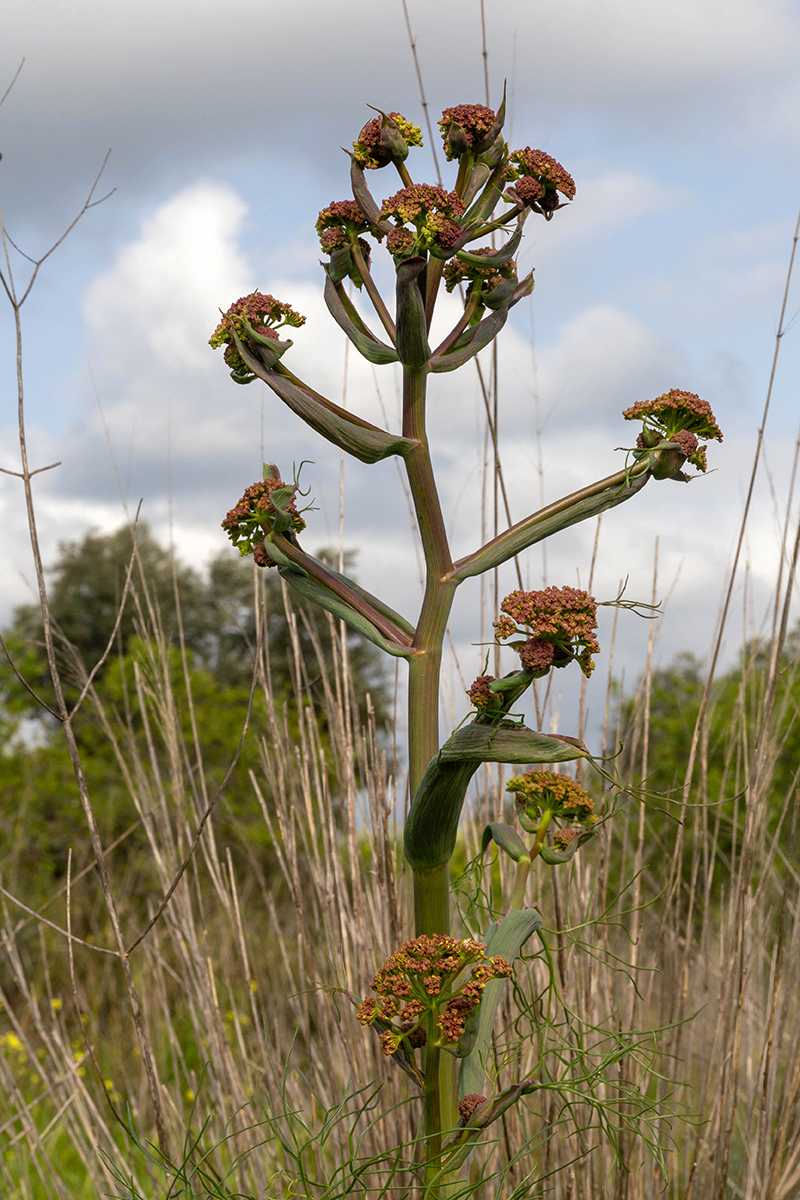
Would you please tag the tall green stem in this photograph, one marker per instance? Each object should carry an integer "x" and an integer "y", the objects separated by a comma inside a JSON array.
[{"x": 431, "y": 888}]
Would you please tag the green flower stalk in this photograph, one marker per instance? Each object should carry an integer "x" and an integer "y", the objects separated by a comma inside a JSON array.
[{"x": 437, "y": 993}]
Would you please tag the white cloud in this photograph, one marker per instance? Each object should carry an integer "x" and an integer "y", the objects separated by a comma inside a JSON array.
[
  {"x": 150, "y": 314},
  {"x": 208, "y": 54},
  {"x": 164, "y": 289}
]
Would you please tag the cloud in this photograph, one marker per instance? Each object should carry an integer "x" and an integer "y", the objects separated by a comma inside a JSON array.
[
  {"x": 602, "y": 361},
  {"x": 188, "y": 440},
  {"x": 209, "y": 55},
  {"x": 164, "y": 289},
  {"x": 170, "y": 86}
]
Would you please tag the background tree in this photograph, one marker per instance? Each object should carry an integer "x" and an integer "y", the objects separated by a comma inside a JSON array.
[{"x": 218, "y": 617}]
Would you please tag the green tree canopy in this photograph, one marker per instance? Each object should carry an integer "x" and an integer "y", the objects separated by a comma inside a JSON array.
[{"x": 216, "y": 612}]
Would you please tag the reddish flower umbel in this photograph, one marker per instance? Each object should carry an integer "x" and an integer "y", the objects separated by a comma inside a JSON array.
[
  {"x": 337, "y": 222},
  {"x": 430, "y": 209},
  {"x": 486, "y": 277},
  {"x": 536, "y": 654},
  {"x": 474, "y": 122},
  {"x": 415, "y": 988},
  {"x": 249, "y": 519},
  {"x": 542, "y": 795},
  {"x": 369, "y": 150},
  {"x": 480, "y": 693},
  {"x": 539, "y": 178},
  {"x": 265, "y": 315},
  {"x": 680, "y": 417},
  {"x": 563, "y": 617},
  {"x": 467, "y": 1105}
]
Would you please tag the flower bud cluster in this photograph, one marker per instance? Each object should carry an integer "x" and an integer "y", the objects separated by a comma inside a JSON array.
[
  {"x": 538, "y": 179},
  {"x": 254, "y": 515},
  {"x": 548, "y": 794},
  {"x": 466, "y": 127},
  {"x": 559, "y": 625},
  {"x": 416, "y": 990},
  {"x": 480, "y": 693},
  {"x": 339, "y": 219},
  {"x": 468, "y": 1104},
  {"x": 680, "y": 417},
  {"x": 431, "y": 210},
  {"x": 263, "y": 313},
  {"x": 384, "y": 140},
  {"x": 485, "y": 278}
]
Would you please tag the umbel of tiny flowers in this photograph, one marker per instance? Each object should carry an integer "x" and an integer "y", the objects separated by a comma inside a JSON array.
[
  {"x": 538, "y": 181},
  {"x": 432, "y": 211},
  {"x": 420, "y": 994},
  {"x": 558, "y": 626},
  {"x": 254, "y": 320},
  {"x": 553, "y": 628},
  {"x": 680, "y": 418},
  {"x": 546, "y": 796},
  {"x": 384, "y": 140},
  {"x": 264, "y": 503},
  {"x": 469, "y": 128}
]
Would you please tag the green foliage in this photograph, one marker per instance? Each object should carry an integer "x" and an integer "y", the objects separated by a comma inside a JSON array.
[
  {"x": 717, "y": 796},
  {"x": 143, "y": 700}
]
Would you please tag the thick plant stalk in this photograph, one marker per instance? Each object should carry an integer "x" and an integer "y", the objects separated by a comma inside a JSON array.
[{"x": 554, "y": 627}]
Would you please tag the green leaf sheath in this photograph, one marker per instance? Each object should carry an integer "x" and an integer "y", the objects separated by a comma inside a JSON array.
[
  {"x": 580, "y": 506},
  {"x": 498, "y": 258},
  {"x": 311, "y": 590},
  {"x": 375, "y": 602},
  {"x": 346, "y": 430},
  {"x": 313, "y": 580},
  {"x": 364, "y": 198},
  {"x": 432, "y": 825},
  {"x": 506, "y": 837},
  {"x": 412, "y": 326},
  {"x": 484, "y": 332},
  {"x": 346, "y": 317},
  {"x": 506, "y": 939}
]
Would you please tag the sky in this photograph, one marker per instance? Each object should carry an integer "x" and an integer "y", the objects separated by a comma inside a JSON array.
[{"x": 680, "y": 123}]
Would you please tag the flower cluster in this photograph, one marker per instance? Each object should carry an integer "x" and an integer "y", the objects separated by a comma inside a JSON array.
[
  {"x": 336, "y": 222},
  {"x": 466, "y": 127},
  {"x": 486, "y": 278},
  {"x": 546, "y": 794},
  {"x": 560, "y": 624},
  {"x": 382, "y": 141},
  {"x": 416, "y": 989},
  {"x": 680, "y": 417},
  {"x": 263, "y": 313},
  {"x": 255, "y": 513},
  {"x": 468, "y": 1104},
  {"x": 480, "y": 693},
  {"x": 432, "y": 210},
  {"x": 538, "y": 180}
]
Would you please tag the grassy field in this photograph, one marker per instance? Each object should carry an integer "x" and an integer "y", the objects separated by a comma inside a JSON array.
[{"x": 658, "y": 1005}]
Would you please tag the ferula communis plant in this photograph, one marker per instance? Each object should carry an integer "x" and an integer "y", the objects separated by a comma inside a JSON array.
[{"x": 434, "y": 1019}]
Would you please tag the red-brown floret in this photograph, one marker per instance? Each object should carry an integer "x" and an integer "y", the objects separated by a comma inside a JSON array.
[{"x": 476, "y": 120}]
